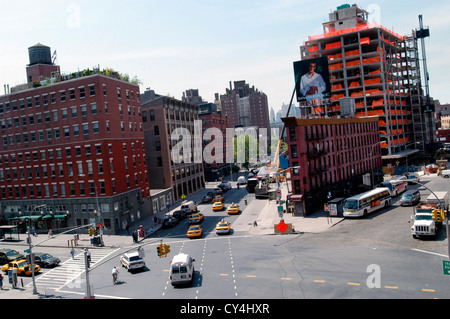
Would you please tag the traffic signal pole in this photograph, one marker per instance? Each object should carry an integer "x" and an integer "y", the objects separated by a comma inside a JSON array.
[{"x": 88, "y": 294}]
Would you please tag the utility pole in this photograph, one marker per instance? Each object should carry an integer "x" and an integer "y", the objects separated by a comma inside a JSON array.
[
  {"x": 88, "y": 294},
  {"x": 31, "y": 261}
]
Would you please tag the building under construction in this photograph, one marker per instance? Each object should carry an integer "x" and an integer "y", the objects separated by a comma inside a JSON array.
[{"x": 379, "y": 71}]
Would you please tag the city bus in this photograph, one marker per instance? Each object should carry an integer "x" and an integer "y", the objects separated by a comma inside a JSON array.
[
  {"x": 396, "y": 185},
  {"x": 365, "y": 203}
]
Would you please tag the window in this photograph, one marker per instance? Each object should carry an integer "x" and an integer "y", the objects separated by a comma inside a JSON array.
[
  {"x": 72, "y": 94},
  {"x": 62, "y": 96},
  {"x": 82, "y": 92},
  {"x": 92, "y": 90}
]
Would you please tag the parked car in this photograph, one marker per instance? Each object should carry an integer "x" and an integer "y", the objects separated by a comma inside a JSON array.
[
  {"x": 179, "y": 214},
  {"x": 218, "y": 191},
  {"x": 8, "y": 255},
  {"x": 169, "y": 222},
  {"x": 22, "y": 266},
  {"x": 46, "y": 260}
]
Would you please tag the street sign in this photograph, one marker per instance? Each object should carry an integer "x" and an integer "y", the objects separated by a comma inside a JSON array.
[
  {"x": 26, "y": 251},
  {"x": 282, "y": 226},
  {"x": 280, "y": 211},
  {"x": 446, "y": 266}
]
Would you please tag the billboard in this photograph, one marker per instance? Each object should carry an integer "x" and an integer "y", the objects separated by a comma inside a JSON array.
[{"x": 312, "y": 79}]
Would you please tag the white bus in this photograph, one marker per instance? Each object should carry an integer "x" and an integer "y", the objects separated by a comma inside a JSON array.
[
  {"x": 396, "y": 185},
  {"x": 362, "y": 204}
]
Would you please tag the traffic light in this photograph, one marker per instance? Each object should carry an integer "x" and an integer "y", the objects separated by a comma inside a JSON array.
[
  {"x": 90, "y": 231},
  {"x": 159, "y": 249},
  {"x": 166, "y": 250},
  {"x": 435, "y": 214}
]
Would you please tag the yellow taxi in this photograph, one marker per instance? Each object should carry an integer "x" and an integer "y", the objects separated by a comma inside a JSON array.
[
  {"x": 195, "y": 231},
  {"x": 196, "y": 218},
  {"x": 22, "y": 266},
  {"x": 218, "y": 198},
  {"x": 218, "y": 206},
  {"x": 233, "y": 209},
  {"x": 223, "y": 227}
]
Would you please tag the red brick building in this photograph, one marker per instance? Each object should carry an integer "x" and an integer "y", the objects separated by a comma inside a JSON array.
[
  {"x": 211, "y": 118},
  {"x": 335, "y": 155},
  {"x": 76, "y": 146}
]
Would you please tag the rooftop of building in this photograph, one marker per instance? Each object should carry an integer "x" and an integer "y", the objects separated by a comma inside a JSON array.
[
  {"x": 74, "y": 76},
  {"x": 307, "y": 121}
]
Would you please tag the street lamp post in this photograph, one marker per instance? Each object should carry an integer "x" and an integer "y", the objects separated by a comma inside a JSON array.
[
  {"x": 371, "y": 161},
  {"x": 30, "y": 249}
]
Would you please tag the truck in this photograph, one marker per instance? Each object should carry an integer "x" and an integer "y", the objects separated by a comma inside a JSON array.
[
  {"x": 439, "y": 197},
  {"x": 424, "y": 223}
]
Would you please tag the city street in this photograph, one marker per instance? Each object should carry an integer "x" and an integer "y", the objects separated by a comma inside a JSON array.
[{"x": 373, "y": 257}]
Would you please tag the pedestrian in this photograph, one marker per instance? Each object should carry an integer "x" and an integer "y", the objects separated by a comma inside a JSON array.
[
  {"x": 1, "y": 281},
  {"x": 135, "y": 236},
  {"x": 127, "y": 227},
  {"x": 50, "y": 233},
  {"x": 33, "y": 231},
  {"x": 155, "y": 219},
  {"x": 72, "y": 252}
]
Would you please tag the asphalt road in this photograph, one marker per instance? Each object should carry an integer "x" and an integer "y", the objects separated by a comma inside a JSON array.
[{"x": 368, "y": 258}]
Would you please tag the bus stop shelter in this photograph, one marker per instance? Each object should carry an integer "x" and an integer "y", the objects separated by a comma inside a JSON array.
[{"x": 9, "y": 229}]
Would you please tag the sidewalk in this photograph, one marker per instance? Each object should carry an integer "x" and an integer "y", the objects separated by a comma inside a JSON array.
[{"x": 268, "y": 218}]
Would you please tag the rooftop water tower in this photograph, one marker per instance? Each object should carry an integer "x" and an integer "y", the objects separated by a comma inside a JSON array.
[{"x": 39, "y": 54}]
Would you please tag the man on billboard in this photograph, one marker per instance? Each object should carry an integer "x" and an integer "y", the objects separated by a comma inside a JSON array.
[{"x": 312, "y": 85}]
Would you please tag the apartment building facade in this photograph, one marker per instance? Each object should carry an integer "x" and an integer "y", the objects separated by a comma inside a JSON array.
[
  {"x": 335, "y": 155},
  {"x": 161, "y": 116},
  {"x": 73, "y": 153},
  {"x": 245, "y": 106},
  {"x": 211, "y": 117},
  {"x": 380, "y": 70}
]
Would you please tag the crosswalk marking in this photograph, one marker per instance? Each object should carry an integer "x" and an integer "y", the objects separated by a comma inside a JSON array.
[{"x": 68, "y": 273}]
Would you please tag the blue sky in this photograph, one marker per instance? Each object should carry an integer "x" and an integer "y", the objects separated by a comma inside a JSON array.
[{"x": 175, "y": 45}]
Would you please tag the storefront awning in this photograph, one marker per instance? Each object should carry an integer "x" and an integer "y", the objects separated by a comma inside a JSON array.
[
  {"x": 295, "y": 198},
  {"x": 32, "y": 217},
  {"x": 60, "y": 217}
]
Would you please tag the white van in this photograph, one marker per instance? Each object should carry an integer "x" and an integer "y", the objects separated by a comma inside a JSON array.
[
  {"x": 445, "y": 173},
  {"x": 181, "y": 269},
  {"x": 189, "y": 206}
]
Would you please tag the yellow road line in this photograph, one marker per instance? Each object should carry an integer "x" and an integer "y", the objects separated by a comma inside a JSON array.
[
  {"x": 223, "y": 274},
  {"x": 251, "y": 276},
  {"x": 353, "y": 284},
  {"x": 391, "y": 287},
  {"x": 428, "y": 290},
  {"x": 319, "y": 280},
  {"x": 286, "y": 278}
]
